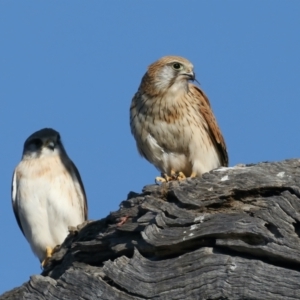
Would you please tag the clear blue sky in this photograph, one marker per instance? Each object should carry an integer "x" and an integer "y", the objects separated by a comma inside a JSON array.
[{"x": 75, "y": 65}]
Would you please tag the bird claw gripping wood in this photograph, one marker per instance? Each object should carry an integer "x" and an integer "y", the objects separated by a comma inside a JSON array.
[{"x": 49, "y": 252}]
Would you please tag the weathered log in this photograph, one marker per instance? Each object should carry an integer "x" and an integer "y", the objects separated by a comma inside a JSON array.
[{"x": 232, "y": 234}]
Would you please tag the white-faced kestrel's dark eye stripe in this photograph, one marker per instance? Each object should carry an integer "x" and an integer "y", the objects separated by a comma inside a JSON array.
[{"x": 44, "y": 217}]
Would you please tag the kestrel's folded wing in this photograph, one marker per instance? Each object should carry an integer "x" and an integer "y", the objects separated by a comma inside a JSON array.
[
  {"x": 213, "y": 128},
  {"x": 134, "y": 114},
  {"x": 77, "y": 178},
  {"x": 14, "y": 188}
]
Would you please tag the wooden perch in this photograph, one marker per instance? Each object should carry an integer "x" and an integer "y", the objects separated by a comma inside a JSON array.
[{"x": 232, "y": 234}]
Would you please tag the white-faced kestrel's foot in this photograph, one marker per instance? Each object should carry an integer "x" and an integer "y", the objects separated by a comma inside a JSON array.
[{"x": 49, "y": 253}]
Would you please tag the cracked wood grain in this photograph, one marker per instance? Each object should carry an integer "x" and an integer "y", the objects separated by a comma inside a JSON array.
[{"x": 232, "y": 234}]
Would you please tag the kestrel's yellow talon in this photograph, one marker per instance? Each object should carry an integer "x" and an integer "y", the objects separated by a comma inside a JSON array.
[
  {"x": 181, "y": 176},
  {"x": 193, "y": 175},
  {"x": 168, "y": 178},
  {"x": 165, "y": 177},
  {"x": 49, "y": 252},
  {"x": 173, "y": 174},
  {"x": 160, "y": 179}
]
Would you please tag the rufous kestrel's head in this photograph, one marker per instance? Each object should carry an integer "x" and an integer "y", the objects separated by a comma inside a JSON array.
[{"x": 168, "y": 72}]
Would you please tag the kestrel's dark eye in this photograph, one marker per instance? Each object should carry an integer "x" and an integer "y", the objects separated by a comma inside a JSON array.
[
  {"x": 36, "y": 142},
  {"x": 177, "y": 66}
]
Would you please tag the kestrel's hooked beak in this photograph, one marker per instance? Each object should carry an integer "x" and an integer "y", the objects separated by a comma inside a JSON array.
[
  {"x": 50, "y": 144},
  {"x": 191, "y": 75}
]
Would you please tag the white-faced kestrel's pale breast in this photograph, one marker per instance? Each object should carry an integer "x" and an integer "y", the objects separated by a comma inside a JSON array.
[
  {"x": 47, "y": 193},
  {"x": 173, "y": 124}
]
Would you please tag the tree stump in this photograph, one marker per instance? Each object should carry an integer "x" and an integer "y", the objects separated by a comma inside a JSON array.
[{"x": 232, "y": 234}]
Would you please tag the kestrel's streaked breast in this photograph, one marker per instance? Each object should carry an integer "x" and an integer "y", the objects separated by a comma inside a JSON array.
[{"x": 173, "y": 123}]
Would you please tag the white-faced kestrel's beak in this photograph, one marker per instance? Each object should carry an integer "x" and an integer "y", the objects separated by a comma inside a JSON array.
[{"x": 50, "y": 144}]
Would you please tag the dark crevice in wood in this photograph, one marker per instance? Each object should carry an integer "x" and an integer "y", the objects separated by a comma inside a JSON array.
[
  {"x": 268, "y": 260},
  {"x": 244, "y": 195},
  {"x": 254, "y": 194},
  {"x": 274, "y": 230},
  {"x": 220, "y": 298},
  {"x": 253, "y": 240},
  {"x": 168, "y": 252},
  {"x": 237, "y": 195},
  {"x": 132, "y": 194},
  {"x": 170, "y": 216},
  {"x": 297, "y": 228},
  {"x": 224, "y": 203},
  {"x": 265, "y": 192},
  {"x": 113, "y": 284},
  {"x": 171, "y": 197},
  {"x": 163, "y": 253}
]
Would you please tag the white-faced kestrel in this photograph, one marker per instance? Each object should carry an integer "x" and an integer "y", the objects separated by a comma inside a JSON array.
[
  {"x": 47, "y": 193},
  {"x": 173, "y": 124}
]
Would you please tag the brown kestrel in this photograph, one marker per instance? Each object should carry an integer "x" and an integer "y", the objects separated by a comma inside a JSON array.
[{"x": 173, "y": 123}]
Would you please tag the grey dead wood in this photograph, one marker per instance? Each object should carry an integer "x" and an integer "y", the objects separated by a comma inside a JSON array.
[{"x": 232, "y": 234}]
